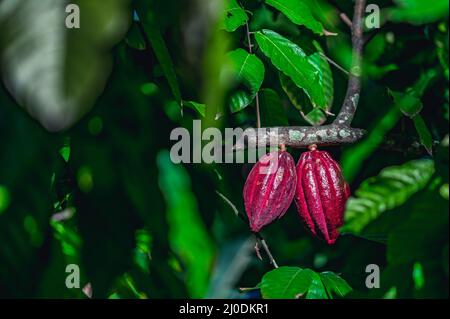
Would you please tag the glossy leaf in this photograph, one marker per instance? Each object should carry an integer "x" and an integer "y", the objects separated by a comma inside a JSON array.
[
  {"x": 57, "y": 73},
  {"x": 249, "y": 70},
  {"x": 290, "y": 59},
  {"x": 390, "y": 189},
  {"x": 285, "y": 283},
  {"x": 298, "y": 12},
  {"x": 235, "y": 16}
]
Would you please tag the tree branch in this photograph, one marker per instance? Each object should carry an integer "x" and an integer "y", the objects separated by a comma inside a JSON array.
[
  {"x": 351, "y": 100},
  {"x": 340, "y": 131}
]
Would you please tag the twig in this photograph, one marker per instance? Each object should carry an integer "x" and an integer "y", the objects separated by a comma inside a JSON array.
[
  {"x": 250, "y": 50},
  {"x": 350, "y": 104},
  {"x": 346, "y": 19},
  {"x": 258, "y": 236},
  {"x": 340, "y": 131},
  {"x": 266, "y": 249},
  {"x": 335, "y": 64}
]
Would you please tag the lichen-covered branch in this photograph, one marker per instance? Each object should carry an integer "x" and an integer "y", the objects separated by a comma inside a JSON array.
[
  {"x": 340, "y": 131},
  {"x": 301, "y": 136},
  {"x": 351, "y": 100}
]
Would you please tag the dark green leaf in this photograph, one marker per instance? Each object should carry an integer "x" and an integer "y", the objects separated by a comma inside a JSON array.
[
  {"x": 424, "y": 133},
  {"x": 272, "y": 112},
  {"x": 154, "y": 36}
]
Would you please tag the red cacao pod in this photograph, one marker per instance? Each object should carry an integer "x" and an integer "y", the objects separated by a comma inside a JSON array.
[
  {"x": 321, "y": 194},
  {"x": 269, "y": 189}
]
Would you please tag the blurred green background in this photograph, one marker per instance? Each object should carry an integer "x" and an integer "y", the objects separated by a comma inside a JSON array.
[{"x": 105, "y": 195}]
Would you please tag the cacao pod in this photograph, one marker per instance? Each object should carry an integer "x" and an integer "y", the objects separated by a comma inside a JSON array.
[
  {"x": 321, "y": 194},
  {"x": 269, "y": 189}
]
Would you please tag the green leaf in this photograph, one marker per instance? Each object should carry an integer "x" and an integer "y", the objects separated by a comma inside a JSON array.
[
  {"x": 424, "y": 133},
  {"x": 153, "y": 33},
  {"x": 272, "y": 112},
  {"x": 292, "y": 282},
  {"x": 334, "y": 284},
  {"x": 249, "y": 70},
  {"x": 391, "y": 188},
  {"x": 409, "y": 103},
  {"x": 314, "y": 115},
  {"x": 188, "y": 236},
  {"x": 135, "y": 39},
  {"x": 235, "y": 16},
  {"x": 57, "y": 73},
  {"x": 285, "y": 283},
  {"x": 298, "y": 12},
  {"x": 199, "y": 107},
  {"x": 290, "y": 59},
  {"x": 419, "y": 11}
]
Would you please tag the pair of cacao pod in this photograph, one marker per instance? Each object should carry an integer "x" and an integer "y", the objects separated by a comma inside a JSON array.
[{"x": 316, "y": 183}]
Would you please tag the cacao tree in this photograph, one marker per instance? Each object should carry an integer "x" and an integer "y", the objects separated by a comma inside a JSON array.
[{"x": 351, "y": 102}]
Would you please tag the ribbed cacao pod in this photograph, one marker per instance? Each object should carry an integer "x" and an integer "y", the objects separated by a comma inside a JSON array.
[
  {"x": 269, "y": 189},
  {"x": 321, "y": 194}
]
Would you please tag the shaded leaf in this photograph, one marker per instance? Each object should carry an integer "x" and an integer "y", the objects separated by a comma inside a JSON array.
[
  {"x": 272, "y": 112},
  {"x": 424, "y": 133},
  {"x": 154, "y": 36},
  {"x": 72, "y": 65}
]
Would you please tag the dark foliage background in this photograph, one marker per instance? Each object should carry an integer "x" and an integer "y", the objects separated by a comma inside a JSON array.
[{"x": 140, "y": 226}]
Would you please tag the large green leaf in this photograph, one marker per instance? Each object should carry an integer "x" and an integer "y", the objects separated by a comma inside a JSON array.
[
  {"x": 188, "y": 235},
  {"x": 235, "y": 16},
  {"x": 314, "y": 115},
  {"x": 249, "y": 70},
  {"x": 391, "y": 188},
  {"x": 298, "y": 12},
  {"x": 419, "y": 11},
  {"x": 54, "y": 72},
  {"x": 290, "y": 59},
  {"x": 294, "y": 282},
  {"x": 285, "y": 283}
]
